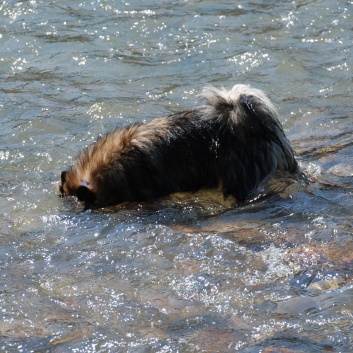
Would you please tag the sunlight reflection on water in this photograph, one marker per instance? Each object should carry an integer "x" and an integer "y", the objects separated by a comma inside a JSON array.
[{"x": 186, "y": 273}]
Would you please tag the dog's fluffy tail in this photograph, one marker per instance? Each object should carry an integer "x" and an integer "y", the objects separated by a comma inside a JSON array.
[
  {"x": 220, "y": 99},
  {"x": 252, "y": 141}
]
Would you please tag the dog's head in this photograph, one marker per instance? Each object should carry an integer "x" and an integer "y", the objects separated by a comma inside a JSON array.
[{"x": 71, "y": 185}]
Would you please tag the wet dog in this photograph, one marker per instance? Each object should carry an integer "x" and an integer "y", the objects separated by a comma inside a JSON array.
[{"x": 235, "y": 141}]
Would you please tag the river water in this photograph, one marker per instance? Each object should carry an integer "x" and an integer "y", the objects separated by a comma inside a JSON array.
[{"x": 185, "y": 273}]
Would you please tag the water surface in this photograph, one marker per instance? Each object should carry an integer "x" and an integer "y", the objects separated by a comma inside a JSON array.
[{"x": 184, "y": 273}]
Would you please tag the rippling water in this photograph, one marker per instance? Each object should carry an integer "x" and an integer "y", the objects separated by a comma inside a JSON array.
[{"x": 184, "y": 273}]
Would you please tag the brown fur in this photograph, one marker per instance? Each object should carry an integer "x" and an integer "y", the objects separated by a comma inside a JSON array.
[{"x": 107, "y": 150}]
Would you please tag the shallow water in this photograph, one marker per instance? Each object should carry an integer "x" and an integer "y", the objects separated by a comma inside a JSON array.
[{"x": 184, "y": 273}]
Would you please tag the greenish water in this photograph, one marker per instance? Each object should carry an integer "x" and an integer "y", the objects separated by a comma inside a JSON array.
[{"x": 184, "y": 273}]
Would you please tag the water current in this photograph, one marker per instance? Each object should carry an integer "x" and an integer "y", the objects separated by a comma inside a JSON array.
[{"x": 185, "y": 273}]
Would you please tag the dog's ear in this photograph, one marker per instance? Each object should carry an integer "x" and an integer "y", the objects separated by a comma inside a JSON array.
[
  {"x": 63, "y": 177},
  {"x": 63, "y": 180},
  {"x": 86, "y": 195}
]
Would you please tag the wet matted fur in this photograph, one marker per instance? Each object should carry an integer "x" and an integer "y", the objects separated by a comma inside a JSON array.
[{"x": 234, "y": 141}]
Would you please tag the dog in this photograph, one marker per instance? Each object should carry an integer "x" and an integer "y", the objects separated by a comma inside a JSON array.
[{"x": 235, "y": 141}]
